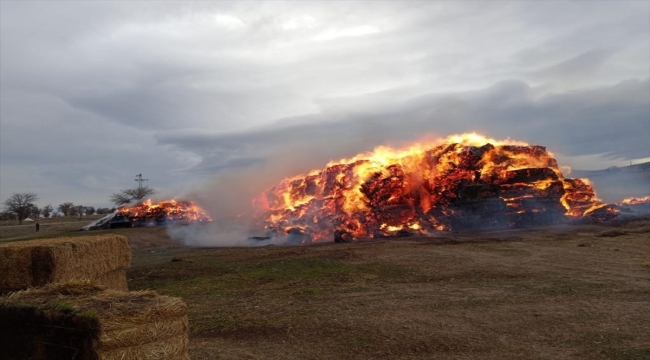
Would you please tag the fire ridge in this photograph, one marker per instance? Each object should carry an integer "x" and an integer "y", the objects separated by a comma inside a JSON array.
[
  {"x": 173, "y": 211},
  {"x": 464, "y": 181}
]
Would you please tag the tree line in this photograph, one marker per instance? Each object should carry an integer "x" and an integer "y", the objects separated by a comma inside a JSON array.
[{"x": 21, "y": 206}]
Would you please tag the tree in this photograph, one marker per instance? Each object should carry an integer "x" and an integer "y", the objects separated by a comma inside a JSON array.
[
  {"x": 126, "y": 196},
  {"x": 36, "y": 212},
  {"x": 90, "y": 210},
  {"x": 47, "y": 211},
  {"x": 7, "y": 215},
  {"x": 21, "y": 204},
  {"x": 80, "y": 210},
  {"x": 67, "y": 208},
  {"x": 103, "y": 211}
]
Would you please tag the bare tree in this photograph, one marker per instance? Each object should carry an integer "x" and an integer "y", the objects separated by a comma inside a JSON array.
[
  {"x": 103, "y": 211},
  {"x": 21, "y": 204},
  {"x": 126, "y": 196},
  {"x": 7, "y": 215},
  {"x": 47, "y": 210},
  {"x": 90, "y": 210},
  {"x": 67, "y": 208},
  {"x": 36, "y": 212},
  {"x": 80, "y": 210}
]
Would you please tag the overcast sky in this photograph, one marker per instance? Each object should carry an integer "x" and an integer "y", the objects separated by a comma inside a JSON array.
[{"x": 93, "y": 93}]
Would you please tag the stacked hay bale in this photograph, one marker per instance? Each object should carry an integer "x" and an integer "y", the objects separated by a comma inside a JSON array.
[
  {"x": 81, "y": 320},
  {"x": 100, "y": 259}
]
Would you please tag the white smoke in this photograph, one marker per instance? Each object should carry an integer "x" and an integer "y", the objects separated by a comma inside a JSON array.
[
  {"x": 214, "y": 235},
  {"x": 227, "y": 198}
]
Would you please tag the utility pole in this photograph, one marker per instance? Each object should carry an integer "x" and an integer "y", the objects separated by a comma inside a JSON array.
[{"x": 139, "y": 179}]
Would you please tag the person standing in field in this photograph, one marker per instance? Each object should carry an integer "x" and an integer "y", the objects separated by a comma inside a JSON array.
[{"x": 38, "y": 227}]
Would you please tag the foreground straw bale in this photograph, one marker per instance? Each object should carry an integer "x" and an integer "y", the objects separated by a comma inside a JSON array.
[
  {"x": 101, "y": 259},
  {"x": 84, "y": 321}
]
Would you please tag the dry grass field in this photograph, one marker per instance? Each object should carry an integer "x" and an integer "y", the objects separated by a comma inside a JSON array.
[
  {"x": 10, "y": 229},
  {"x": 571, "y": 292}
]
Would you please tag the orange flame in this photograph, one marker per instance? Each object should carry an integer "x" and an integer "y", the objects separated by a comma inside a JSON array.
[
  {"x": 436, "y": 186},
  {"x": 636, "y": 201},
  {"x": 165, "y": 211}
]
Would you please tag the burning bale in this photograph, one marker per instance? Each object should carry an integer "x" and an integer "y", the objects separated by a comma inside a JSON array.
[
  {"x": 85, "y": 321},
  {"x": 172, "y": 211},
  {"x": 100, "y": 259},
  {"x": 640, "y": 205},
  {"x": 150, "y": 214},
  {"x": 636, "y": 201},
  {"x": 465, "y": 182}
]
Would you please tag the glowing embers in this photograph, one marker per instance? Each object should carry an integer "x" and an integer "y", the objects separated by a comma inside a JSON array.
[
  {"x": 463, "y": 182},
  {"x": 636, "y": 201},
  {"x": 638, "y": 205},
  {"x": 164, "y": 212}
]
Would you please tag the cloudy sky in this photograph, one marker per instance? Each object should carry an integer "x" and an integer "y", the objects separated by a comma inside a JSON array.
[{"x": 93, "y": 93}]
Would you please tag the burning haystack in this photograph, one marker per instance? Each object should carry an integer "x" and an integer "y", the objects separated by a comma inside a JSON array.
[
  {"x": 463, "y": 182},
  {"x": 169, "y": 212}
]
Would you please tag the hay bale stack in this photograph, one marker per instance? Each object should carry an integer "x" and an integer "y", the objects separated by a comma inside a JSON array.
[
  {"x": 81, "y": 320},
  {"x": 101, "y": 259}
]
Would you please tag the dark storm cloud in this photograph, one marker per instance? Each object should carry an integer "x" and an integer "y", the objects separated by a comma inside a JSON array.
[{"x": 575, "y": 123}]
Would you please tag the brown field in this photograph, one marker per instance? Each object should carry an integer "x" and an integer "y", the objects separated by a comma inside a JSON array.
[
  {"x": 572, "y": 292},
  {"x": 10, "y": 230}
]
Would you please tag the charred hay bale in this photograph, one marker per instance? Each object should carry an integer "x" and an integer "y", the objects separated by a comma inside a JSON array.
[
  {"x": 84, "y": 321},
  {"x": 479, "y": 214},
  {"x": 34, "y": 263},
  {"x": 529, "y": 175},
  {"x": 472, "y": 192}
]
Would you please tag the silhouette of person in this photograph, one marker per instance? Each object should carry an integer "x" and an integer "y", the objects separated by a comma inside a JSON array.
[{"x": 38, "y": 227}]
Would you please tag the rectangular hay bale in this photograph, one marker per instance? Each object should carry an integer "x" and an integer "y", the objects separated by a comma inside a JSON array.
[
  {"x": 35, "y": 263},
  {"x": 85, "y": 321},
  {"x": 115, "y": 280},
  {"x": 170, "y": 348}
]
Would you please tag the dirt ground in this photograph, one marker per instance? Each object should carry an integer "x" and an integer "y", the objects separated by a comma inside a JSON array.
[
  {"x": 571, "y": 292},
  {"x": 566, "y": 292}
]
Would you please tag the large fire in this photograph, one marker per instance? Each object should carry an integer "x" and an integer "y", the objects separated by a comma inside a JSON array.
[
  {"x": 462, "y": 182},
  {"x": 169, "y": 211}
]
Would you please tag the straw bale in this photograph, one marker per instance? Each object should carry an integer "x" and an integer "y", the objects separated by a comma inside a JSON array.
[
  {"x": 15, "y": 267},
  {"x": 38, "y": 262},
  {"x": 115, "y": 280},
  {"x": 171, "y": 348},
  {"x": 133, "y": 335},
  {"x": 89, "y": 321}
]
